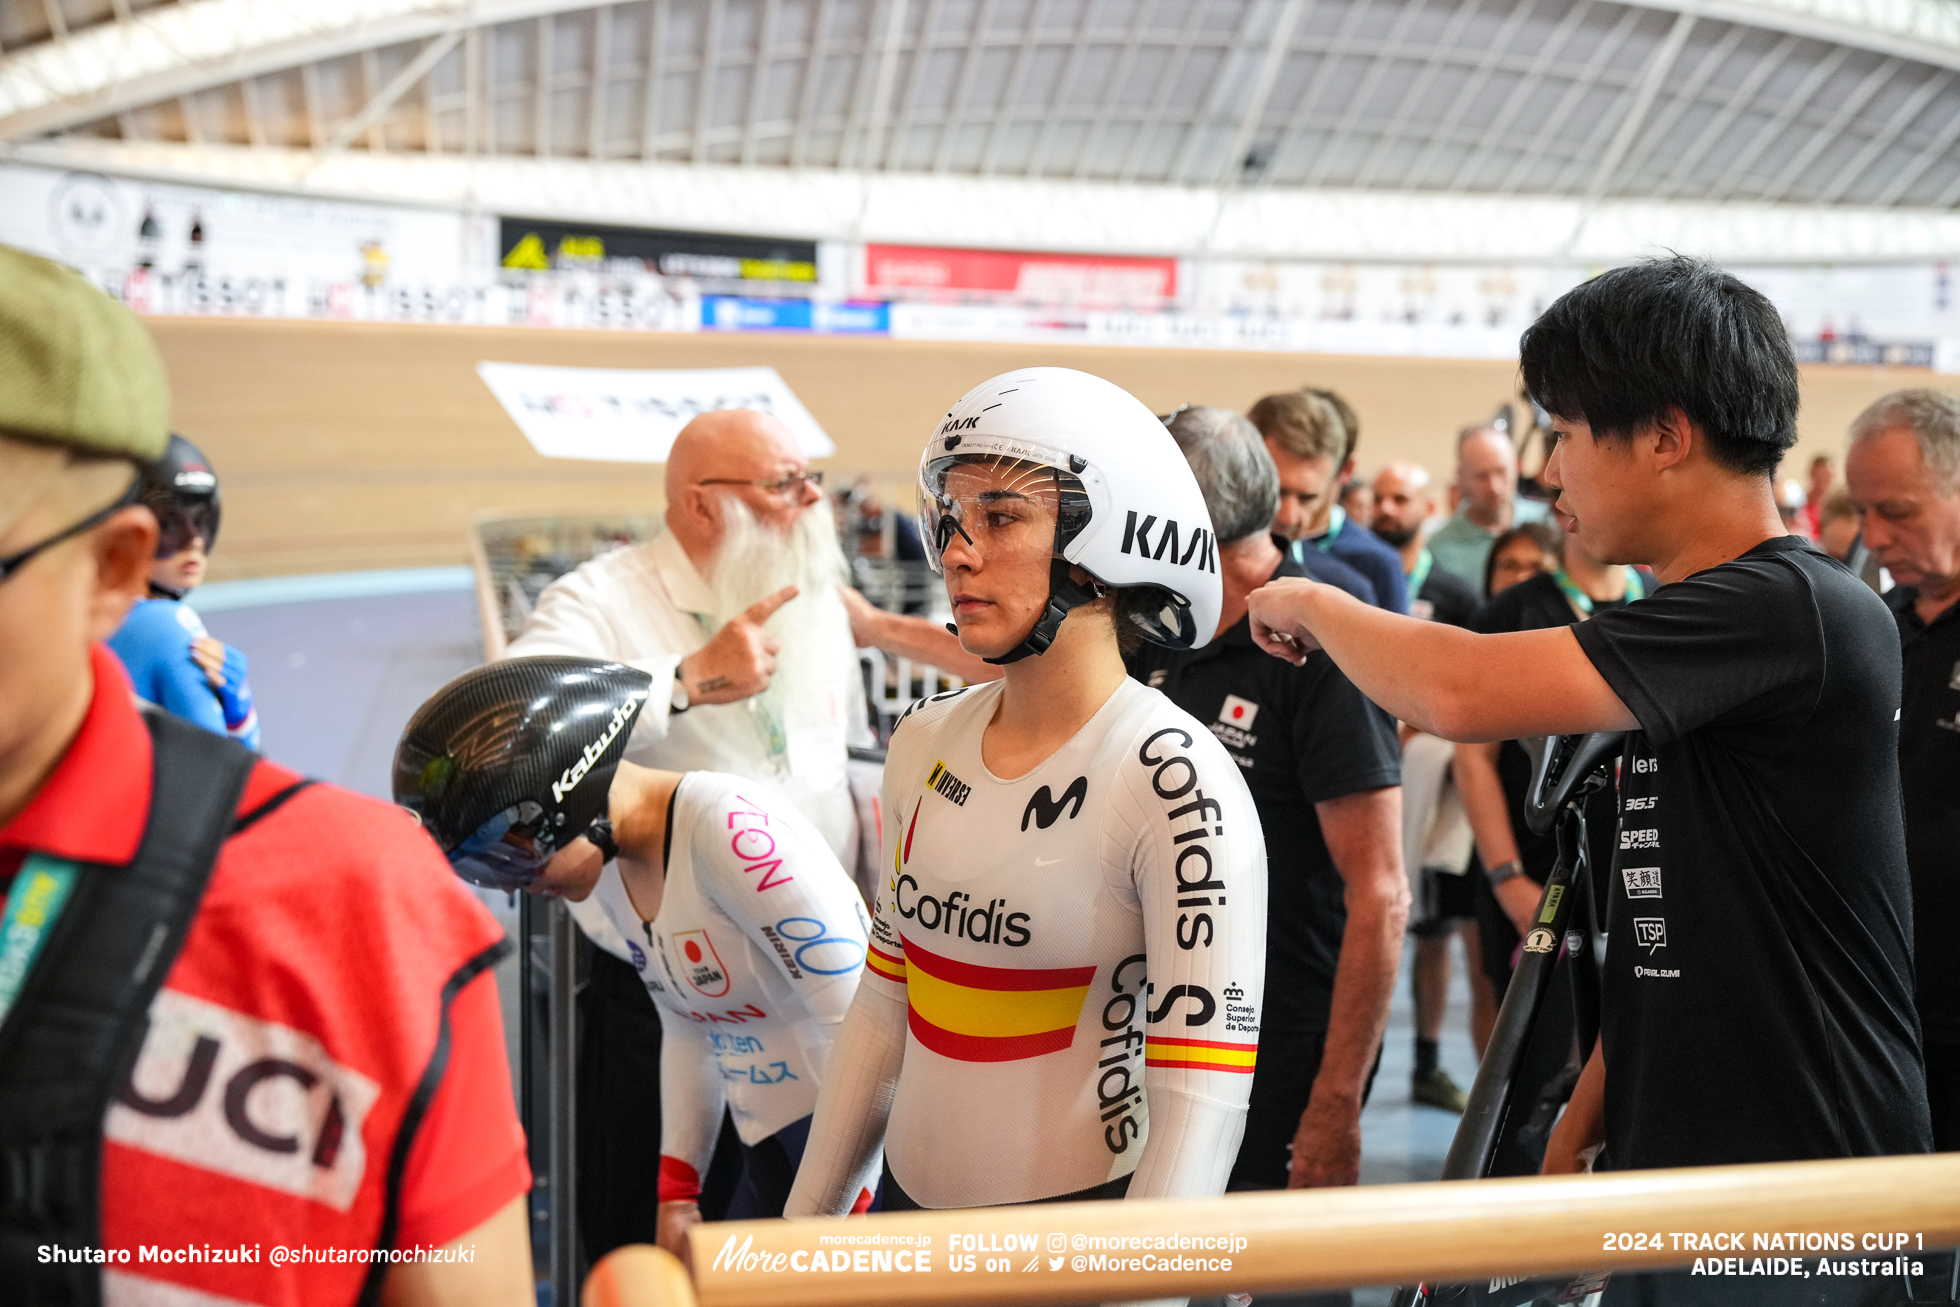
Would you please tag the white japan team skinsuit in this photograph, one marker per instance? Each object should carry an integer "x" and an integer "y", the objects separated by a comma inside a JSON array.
[
  {"x": 751, "y": 962},
  {"x": 1065, "y": 973}
]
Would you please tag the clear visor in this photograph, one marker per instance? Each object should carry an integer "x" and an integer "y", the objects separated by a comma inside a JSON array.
[{"x": 1001, "y": 508}]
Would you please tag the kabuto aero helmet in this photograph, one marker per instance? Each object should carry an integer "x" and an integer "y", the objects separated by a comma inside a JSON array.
[
  {"x": 1130, "y": 512},
  {"x": 509, "y": 763}
]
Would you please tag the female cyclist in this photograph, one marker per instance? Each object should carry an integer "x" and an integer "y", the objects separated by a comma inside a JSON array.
[
  {"x": 737, "y": 916},
  {"x": 1063, "y": 991}
]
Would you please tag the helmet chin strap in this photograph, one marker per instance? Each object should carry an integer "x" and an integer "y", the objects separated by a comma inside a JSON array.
[
  {"x": 165, "y": 592},
  {"x": 1064, "y": 593}
]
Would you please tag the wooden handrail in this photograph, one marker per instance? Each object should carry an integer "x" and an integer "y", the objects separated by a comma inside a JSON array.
[
  {"x": 638, "y": 1275},
  {"x": 1325, "y": 1238},
  {"x": 488, "y": 615}
]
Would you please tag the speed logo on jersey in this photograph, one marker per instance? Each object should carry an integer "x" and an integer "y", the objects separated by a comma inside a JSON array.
[
  {"x": 974, "y": 1013},
  {"x": 700, "y": 964}
]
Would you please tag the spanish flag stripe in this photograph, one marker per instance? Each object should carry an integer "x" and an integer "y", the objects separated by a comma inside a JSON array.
[
  {"x": 987, "y": 1048},
  {"x": 885, "y": 964},
  {"x": 1166, "y": 1041},
  {"x": 976, "y": 976},
  {"x": 1200, "y": 1054},
  {"x": 970, "y": 1010},
  {"x": 1176, "y": 1063}
]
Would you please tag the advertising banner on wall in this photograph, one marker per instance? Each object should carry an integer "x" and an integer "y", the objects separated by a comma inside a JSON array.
[
  {"x": 540, "y": 245},
  {"x": 925, "y": 272},
  {"x": 739, "y": 313},
  {"x": 632, "y": 416},
  {"x": 195, "y": 251}
]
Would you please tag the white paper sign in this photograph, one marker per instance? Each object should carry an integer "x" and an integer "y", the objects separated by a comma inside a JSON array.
[{"x": 631, "y": 416}]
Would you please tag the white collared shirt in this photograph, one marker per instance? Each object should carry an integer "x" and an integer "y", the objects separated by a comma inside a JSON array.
[{"x": 647, "y": 606}]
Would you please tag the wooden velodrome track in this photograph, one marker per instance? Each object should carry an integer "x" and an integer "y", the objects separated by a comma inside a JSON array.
[{"x": 346, "y": 446}]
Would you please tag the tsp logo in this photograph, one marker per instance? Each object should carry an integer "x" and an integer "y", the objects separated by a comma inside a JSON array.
[{"x": 1650, "y": 933}]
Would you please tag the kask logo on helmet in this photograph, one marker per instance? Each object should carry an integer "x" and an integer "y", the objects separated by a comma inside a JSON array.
[
  {"x": 589, "y": 756},
  {"x": 1200, "y": 546}
]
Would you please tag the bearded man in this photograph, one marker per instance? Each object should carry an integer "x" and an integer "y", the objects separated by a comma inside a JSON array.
[{"x": 739, "y": 612}]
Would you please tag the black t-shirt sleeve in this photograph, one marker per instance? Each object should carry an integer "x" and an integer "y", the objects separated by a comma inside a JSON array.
[
  {"x": 1739, "y": 643},
  {"x": 1344, "y": 743},
  {"x": 1453, "y": 600},
  {"x": 1500, "y": 613}
]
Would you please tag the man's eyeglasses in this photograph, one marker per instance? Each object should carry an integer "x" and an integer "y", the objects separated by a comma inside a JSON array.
[
  {"x": 790, "y": 487},
  {"x": 14, "y": 562}
]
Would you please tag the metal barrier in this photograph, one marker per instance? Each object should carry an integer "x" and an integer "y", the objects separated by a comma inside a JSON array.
[
  {"x": 516, "y": 557},
  {"x": 1867, "y": 1210},
  {"x": 895, "y": 684}
]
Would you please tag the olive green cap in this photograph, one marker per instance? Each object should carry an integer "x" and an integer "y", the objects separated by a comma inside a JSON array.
[{"x": 76, "y": 368}]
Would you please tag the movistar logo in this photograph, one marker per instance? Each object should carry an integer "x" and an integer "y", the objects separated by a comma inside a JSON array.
[
  {"x": 568, "y": 780},
  {"x": 1047, "y": 810}
]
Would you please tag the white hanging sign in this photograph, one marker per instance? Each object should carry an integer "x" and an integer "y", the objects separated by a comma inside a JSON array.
[{"x": 631, "y": 416}]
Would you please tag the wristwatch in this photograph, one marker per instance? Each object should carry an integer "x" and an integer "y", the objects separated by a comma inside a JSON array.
[
  {"x": 678, "y": 701},
  {"x": 600, "y": 834},
  {"x": 1504, "y": 871}
]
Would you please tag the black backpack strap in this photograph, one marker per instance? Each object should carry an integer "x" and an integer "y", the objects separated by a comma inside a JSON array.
[
  {"x": 418, "y": 1109},
  {"x": 73, "y": 1035}
]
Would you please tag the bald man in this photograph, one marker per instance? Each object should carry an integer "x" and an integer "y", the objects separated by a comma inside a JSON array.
[
  {"x": 1404, "y": 500},
  {"x": 738, "y": 612},
  {"x": 1487, "y": 484}
]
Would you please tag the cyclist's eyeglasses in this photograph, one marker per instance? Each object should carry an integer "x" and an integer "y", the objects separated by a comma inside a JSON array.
[
  {"x": 14, "y": 562},
  {"x": 789, "y": 488}
]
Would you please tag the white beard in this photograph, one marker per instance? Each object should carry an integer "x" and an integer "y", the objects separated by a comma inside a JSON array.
[{"x": 814, "y": 629}]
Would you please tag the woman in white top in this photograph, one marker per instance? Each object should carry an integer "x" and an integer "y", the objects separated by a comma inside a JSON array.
[
  {"x": 745, "y": 930},
  {"x": 1068, "y": 954}
]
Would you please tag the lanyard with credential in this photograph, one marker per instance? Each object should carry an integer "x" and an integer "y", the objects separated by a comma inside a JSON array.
[
  {"x": 1582, "y": 603},
  {"x": 1336, "y": 519},
  {"x": 39, "y": 893},
  {"x": 1424, "y": 562}
]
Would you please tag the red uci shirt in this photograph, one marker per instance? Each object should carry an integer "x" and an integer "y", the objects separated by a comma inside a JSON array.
[{"x": 334, "y": 968}]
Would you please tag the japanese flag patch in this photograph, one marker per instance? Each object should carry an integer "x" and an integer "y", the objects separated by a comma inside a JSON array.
[{"x": 1238, "y": 712}]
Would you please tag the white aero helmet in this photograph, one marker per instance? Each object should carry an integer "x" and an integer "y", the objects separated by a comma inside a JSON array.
[{"x": 1131, "y": 513}]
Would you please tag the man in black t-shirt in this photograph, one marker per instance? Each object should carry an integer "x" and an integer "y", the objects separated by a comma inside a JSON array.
[
  {"x": 1758, "y": 994},
  {"x": 1904, "y": 473},
  {"x": 1513, "y": 862},
  {"x": 1323, "y": 767}
]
